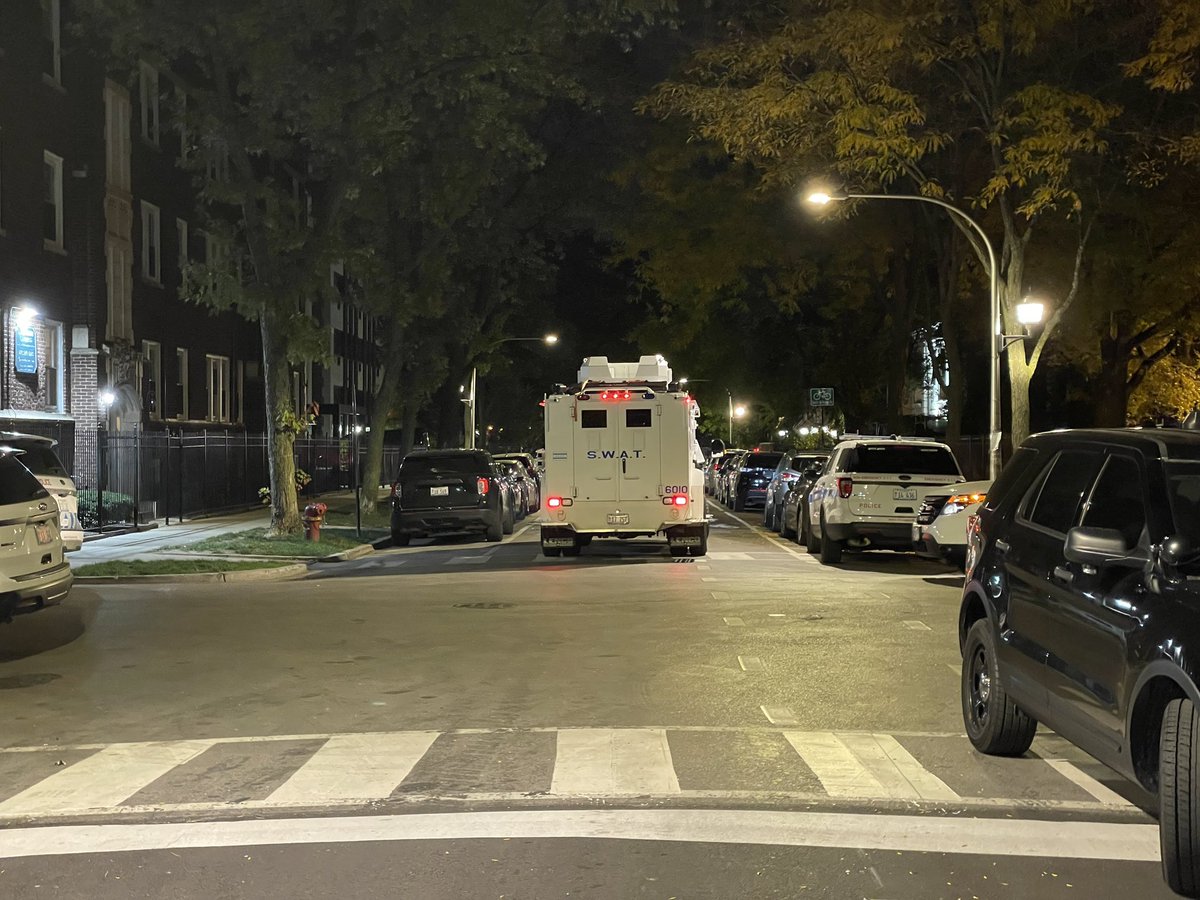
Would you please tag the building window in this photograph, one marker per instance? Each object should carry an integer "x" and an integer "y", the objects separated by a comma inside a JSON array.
[
  {"x": 181, "y": 238},
  {"x": 217, "y": 161},
  {"x": 151, "y": 378},
  {"x": 52, "y": 201},
  {"x": 116, "y": 136},
  {"x": 151, "y": 243},
  {"x": 52, "y": 40},
  {"x": 148, "y": 94},
  {"x": 218, "y": 388},
  {"x": 181, "y": 383},
  {"x": 55, "y": 394}
]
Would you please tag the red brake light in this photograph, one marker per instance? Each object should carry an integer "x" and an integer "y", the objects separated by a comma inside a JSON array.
[
  {"x": 681, "y": 500},
  {"x": 845, "y": 487},
  {"x": 786, "y": 476},
  {"x": 482, "y": 486},
  {"x": 554, "y": 502}
]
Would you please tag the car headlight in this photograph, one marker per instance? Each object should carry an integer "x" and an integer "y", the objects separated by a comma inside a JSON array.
[{"x": 959, "y": 502}]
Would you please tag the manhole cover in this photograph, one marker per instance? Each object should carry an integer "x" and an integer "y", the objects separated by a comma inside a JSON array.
[
  {"x": 13, "y": 682},
  {"x": 482, "y": 605}
]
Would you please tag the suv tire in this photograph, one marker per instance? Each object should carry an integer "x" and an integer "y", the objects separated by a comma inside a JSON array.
[
  {"x": 739, "y": 501},
  {"x": 811, "y": 543},
  {"x": 1179, "y": 797},
  {"x": 785, "y": 528},
  {"x": 400, "y": 540},
  {"x": 831, "y": 550},
  {"x": 495, "y": 531},
  {"x": 995, "y": 725}
]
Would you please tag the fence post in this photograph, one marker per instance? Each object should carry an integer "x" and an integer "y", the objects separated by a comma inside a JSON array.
[
  {"x": 180, "y": 517},
  {"x": 166, "y": 476},
  {"x": 101, "y": 474},
  {"x": 204, "y": 480},
  {"x": 137, "y": 473}
]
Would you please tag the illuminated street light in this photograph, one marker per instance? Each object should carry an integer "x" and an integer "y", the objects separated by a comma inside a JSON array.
[
  {"x": 107, "y": 398},
  {"x": 1030, "y": 312},
  {"x": 996, "y": 337},
  {"x": 782, "y": 432}
]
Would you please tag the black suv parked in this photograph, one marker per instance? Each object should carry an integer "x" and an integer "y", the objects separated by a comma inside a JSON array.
[
  {"x": 748, "y": 484},
  {"x": 1081, "y": 610},
  {"x": 450, "y": 491}
]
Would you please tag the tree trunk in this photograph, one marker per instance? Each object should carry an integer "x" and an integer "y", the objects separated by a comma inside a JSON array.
[
  {"x": 409, "y": 432},
  {"x": 277, "y": 376},
  {"x": 1019, "y": 375},
  {"x": 386, "y": 395}
]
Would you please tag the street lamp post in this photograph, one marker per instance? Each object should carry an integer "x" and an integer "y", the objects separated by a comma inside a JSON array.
[
  {"x": 471, "y": 399},
  {"x": 734, "y": 412},
  {"x": 996, "y": 335}
]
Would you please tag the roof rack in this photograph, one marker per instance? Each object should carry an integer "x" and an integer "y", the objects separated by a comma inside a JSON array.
[{"x": 888, "y": 437}]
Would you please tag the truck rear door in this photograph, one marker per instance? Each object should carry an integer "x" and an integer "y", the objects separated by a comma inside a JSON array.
[
  {"x": 639, "y": 440},
  {"x": 597, "y": 466}
]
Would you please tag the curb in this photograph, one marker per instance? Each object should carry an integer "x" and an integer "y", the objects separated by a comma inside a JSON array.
[
  {"x": 279, "y": 573},
  {"x": 353, "y": 553}
]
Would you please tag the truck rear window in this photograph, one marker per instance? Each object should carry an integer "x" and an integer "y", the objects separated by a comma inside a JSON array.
[
  {"x": 593, "y": 418},
  {"x": 902, "y": 459},
  {"x": 637, "y": 418}
]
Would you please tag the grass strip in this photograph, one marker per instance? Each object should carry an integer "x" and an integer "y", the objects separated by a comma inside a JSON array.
[
  {"x": 124, "y": 567},
  {"x": 256, "y": 542}
]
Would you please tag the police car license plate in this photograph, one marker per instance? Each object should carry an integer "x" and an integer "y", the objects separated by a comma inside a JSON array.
[
  {"x": 618, "y": 518},
  {"x": 904, "y": 494},
  {"x": 439, "y": 492}
]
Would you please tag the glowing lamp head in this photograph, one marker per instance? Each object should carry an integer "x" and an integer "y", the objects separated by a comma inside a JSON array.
[
  {"x": 819, "y": 198},
  {"x": 1031, "y": 312}
]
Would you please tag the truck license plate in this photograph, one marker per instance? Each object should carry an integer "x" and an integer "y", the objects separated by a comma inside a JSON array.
[
  {"x": 618, "y": 518},
  {"x": 439, "y": 492},
  {"x": 688, "y": 541},
  {"x": 904, "y": 494}
]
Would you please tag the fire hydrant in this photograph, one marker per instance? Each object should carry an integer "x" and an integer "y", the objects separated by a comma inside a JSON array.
[{"x": 314, "y": 515}]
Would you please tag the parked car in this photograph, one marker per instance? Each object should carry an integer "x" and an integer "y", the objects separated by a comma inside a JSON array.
[
  {"x": 34, "y": 572},
  {"x": 523, "y": 484},
  {"x": 791, "y": 468},
  {"x": 794, "y": 516},
  {"x": 940, "y": 529},
  {"x": 1079, "y": 612},
  {"x": 869, "y": 494},
  {"x": 748, "y": 483},
  {"x": 530, "y": 464},
  {"x": 38, "y": 456},
  {"x": 440, "y": 492},
  {"x": 725, "y": 470}
]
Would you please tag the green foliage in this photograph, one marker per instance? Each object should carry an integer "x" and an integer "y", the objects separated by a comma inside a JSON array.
[
  {"x": 117, "y": 508},
  {"x": 302, "y": 478}
]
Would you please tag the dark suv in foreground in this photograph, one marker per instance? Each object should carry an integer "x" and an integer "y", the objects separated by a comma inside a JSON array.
[
  {"x": 1081, "y": 610},
  {"x": 449, "y": 492}
]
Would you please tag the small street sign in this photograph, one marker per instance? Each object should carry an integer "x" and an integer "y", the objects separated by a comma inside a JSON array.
[
  {"x": 25, "y": 354},
  {"x": 820, "y": 396}
]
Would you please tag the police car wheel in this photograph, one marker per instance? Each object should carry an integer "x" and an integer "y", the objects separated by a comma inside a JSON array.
[{"x": 831, "y": 550}]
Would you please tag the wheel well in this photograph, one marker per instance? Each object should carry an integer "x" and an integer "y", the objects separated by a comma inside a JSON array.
[
  {"x": 1145, "y": 726},
  {"x": 972, "y": 611}
]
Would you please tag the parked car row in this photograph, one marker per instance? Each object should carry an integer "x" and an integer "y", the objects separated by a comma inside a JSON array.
[{"x": 442, "y": 492}]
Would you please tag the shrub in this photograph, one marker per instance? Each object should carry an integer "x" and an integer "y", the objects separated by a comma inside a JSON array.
[
  {"x": 117, "y": 508},
  {"x": 303, "y": 479}
]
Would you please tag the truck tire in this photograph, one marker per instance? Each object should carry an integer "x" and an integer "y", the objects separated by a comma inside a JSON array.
[
  {"x": 831, "y": 550},
  {"x": 995, "y": 725},
  {"x": 495, "y": 531},
  {"x": 1179, "y": 797},
  {"x": 702, "y": 548}
]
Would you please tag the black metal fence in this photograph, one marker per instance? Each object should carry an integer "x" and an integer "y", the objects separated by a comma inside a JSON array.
[{"x": 144, "y": 475}]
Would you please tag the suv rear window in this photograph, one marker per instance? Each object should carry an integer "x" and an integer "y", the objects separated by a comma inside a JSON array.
[
  {"x": 762, "y": 460},
  {"x": 905, "y": 459},
  {"x": 41, "y": 460},
  {"x": 16, "y": 484},
  {"x": 424, "y": 466}
]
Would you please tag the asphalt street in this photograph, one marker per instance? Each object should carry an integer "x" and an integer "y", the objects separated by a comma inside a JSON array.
[{"x": 460, "y": 719}]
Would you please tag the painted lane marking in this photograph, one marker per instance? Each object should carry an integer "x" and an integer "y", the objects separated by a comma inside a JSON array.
[
  {"x": 957, "y": 670},
  {"x": 867, "y": 765},
  {"x": 779, "y": 715},
  {"x": 734, "y": 621},
  {"x": 356, "y": 766},
  {"x": 473, "y": 559},
  {"x": 104, "y": 779},
  {"x": 725, "y": 556},
  {"x": 1082, "y": 779},
  {"x": 709, "y": 579},
  {"x": 720, "y": 595},
  {"x": 612, "y": 761},
  {"x": 916, "y": 625},
  {"x": 900, "y": 833},
  {"x": 840, "y": 772},
  {"x": 776, "y": 615},
  {"x": 751, "y": 664}
]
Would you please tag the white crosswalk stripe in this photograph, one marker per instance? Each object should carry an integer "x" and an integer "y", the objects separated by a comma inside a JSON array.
[
  {"x": 867, "y": 765},
  {"x": 104, "y": 779},
  {"x": 356, "y": 767},
  {"x": 614, "y": 761}
]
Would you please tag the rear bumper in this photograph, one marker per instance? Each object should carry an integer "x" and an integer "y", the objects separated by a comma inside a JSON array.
[
  {"x": 37, "y": 592},
  {"x": 755, "y": 496},
  {"x": 925, "y": 544},
  {"x": 876, "y": 535},
  {"x": 426, "y": 522}
]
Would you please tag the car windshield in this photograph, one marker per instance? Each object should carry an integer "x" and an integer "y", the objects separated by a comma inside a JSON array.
[
  {"x": 17, "y": 485},
  {"x": 433, "y": 466},
  {"x": 1183, "y": 489},
  {"x": 39, "y": 459},
  {"x": 901, "y": 458}
]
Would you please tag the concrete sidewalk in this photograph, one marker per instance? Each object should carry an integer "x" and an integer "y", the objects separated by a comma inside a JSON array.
[{"x": 151, "y": 544}]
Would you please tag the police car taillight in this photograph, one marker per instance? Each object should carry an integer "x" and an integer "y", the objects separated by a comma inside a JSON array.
[{"x": 845, "y": 487}]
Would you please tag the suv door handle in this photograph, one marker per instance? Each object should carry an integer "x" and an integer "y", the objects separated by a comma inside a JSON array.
[
  {"x": 1063, "y": 574},
  {"x": 1002, "y": 546}
]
